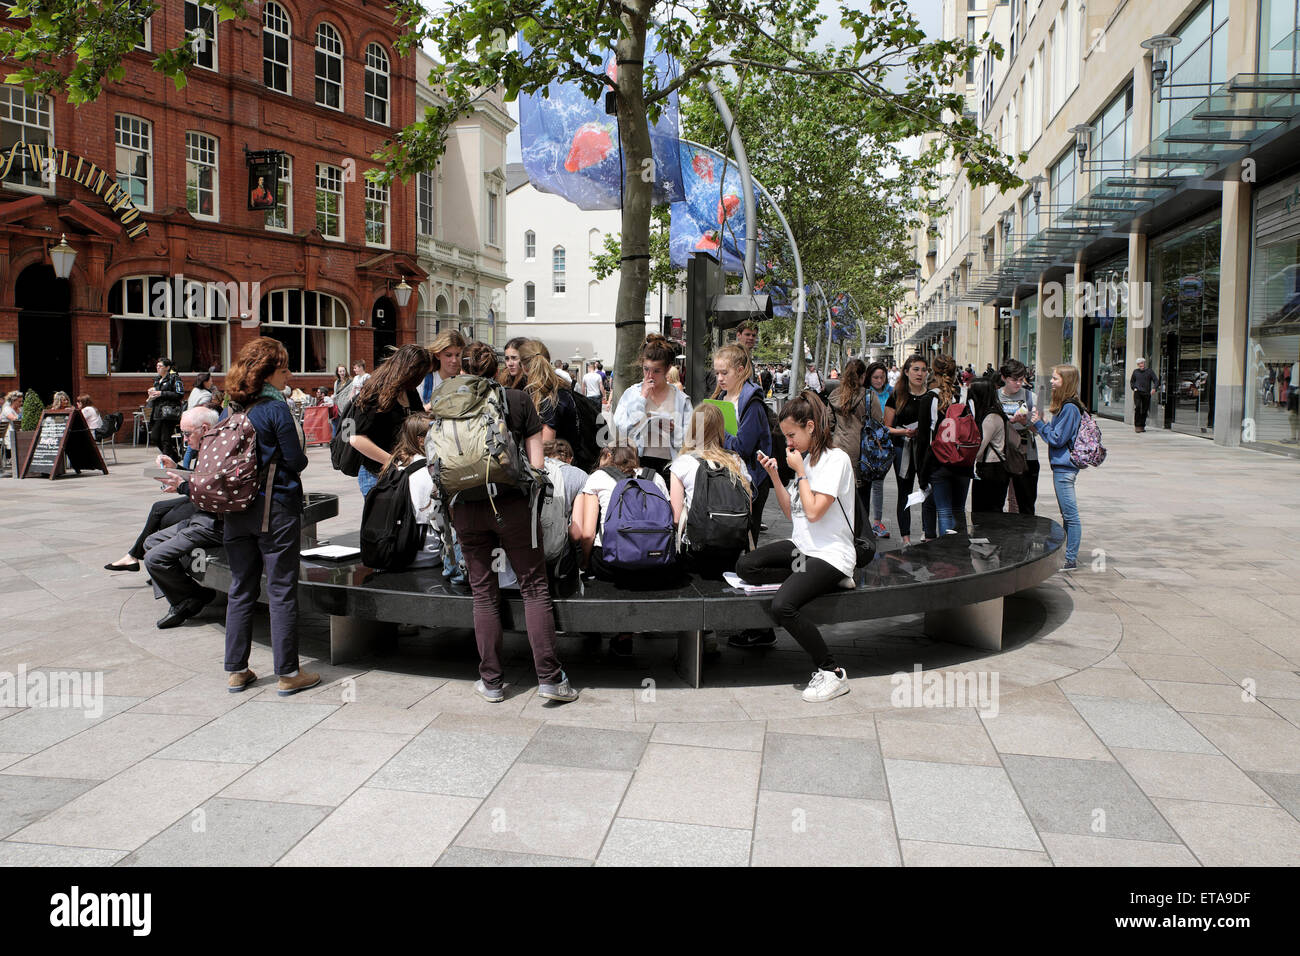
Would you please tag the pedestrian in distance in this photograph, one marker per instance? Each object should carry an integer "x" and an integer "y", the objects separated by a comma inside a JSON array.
[
  {"x": 1144, "y": 383},
  {"x": 1059, "y": 433}
]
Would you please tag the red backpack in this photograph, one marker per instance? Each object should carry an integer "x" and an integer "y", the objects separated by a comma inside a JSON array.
[{"x": 957, "y": 439}]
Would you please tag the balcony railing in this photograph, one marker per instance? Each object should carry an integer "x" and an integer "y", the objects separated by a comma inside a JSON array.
[{"x": 429, "y": 248}]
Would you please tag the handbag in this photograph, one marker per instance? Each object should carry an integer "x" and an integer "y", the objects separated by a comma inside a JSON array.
[
  {"x": 167, "y": 413},
  {"x": 864, "y": 549}
]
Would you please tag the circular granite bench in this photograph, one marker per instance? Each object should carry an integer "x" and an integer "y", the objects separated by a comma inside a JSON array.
[{"x": 958, "y": 582}]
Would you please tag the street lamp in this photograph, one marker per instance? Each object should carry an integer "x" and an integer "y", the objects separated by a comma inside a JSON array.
[
  {"x": 1037, "y": 181},
  {"x": 402, "y": 293},
  {"x": 1082, "y": 133},
  {"x": 62, "y": 257},
  {"x": 1158, "y": 44}
]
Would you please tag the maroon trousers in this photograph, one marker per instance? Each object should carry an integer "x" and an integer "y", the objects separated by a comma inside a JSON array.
[{"x": 481, "y": 536}]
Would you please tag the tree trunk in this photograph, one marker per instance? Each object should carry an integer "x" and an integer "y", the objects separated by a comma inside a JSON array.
[{"x": 638, "y": 197}]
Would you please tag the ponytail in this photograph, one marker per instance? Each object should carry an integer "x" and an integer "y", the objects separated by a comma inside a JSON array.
[{"x": 808, "y": 407}]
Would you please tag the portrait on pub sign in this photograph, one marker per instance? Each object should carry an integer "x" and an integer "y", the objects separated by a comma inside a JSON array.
[{"x": 263, "y": 182}]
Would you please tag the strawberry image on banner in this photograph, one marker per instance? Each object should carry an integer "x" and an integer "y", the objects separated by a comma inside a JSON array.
[
  {"x": 571, "y": 148},
  {"x": 712, "y": 217}
]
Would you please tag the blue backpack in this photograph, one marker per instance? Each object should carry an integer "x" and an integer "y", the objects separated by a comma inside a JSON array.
[
  {"x": 638, "y": 534},
  {"x": 877, "y": 451}
]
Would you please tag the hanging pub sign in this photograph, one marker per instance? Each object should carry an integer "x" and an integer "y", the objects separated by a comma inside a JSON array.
[
  {"x": 263, "y": 178},
  {"x": 52, "y": 162}
]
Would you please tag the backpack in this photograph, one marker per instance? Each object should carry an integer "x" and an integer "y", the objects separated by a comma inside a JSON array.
[
  {"x": 957, "y": 439},
  {"x": 469, "y": 442},
  {"x": 1086, "y": 449},
  {"x": 586, "y": 450},
  {"x": 876, "y": 453},
  {"x": 226, "y": 477},
  {"x": 555, "y": 515},
  {"x": 719, "y": 514},
  {"x": 390, "y": 535},
  {"x": 343, "y": 457},
  {"x": 638, "y": 534}
]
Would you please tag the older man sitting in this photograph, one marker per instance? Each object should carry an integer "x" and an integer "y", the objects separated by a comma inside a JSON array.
[{"x": 169, "y": 552}]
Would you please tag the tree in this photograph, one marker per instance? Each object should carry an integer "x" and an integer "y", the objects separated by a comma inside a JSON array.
[
  {"x": 606, "y": 262},
  {"x": 71, "y": 46}
]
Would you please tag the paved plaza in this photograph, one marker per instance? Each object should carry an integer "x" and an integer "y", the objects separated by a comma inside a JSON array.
[{"x": 1146, "y": 711}]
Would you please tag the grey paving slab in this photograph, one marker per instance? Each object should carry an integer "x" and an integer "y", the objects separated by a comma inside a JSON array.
[
  {"x": 802, "y": 829},
  {"x": 468, "y": 856},
  {"x": 457, "y": 763},
  {"x": 1282, "y": 787},
  {"x": 1193, "y": 698},
  {"x": 39, "y": 727},
  {"x": 921, "y": 853},
  {"x": 35, "y": 854},
  {"x": 1206, "y": 777},
  {"x": 1140, "y": 725},
  {"x": 1252, "y": 743},
  {"x": 224, "y": 832},
  {"x": 1085, "y": 797},
  {"x": 131, "y": 808},
  {"x": 656, "y": 843},
  {"x": 831, "y": 766},
  {"x": 384, "y": 828},
  {"x": 249, "y": 733},
  {"x": 550, "y": 811},
  {"x": 379, "y": 718},
  {"x": 726, "y": 735},
  {"x": 1070, "y": 849},
  {"x": 564, "y": 746},
  {"x": 109, "y": 746},
  {"x": 906, "y": 739},
  {"x": 957, "y": 803},
  {"x": 697, "y": 785},
  {"x": 1224, "y": 834},
  {"x": 25, "y": 800},
  {"x": 321, "y": 767}
]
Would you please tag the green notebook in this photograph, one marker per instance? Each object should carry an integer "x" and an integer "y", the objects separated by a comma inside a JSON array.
[{"x": 728, "y": 413}]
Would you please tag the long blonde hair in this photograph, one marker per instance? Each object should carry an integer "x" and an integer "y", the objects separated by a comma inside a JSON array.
[
  {"x": 705, "y": 434},
  {"x": 737, "y": 357},
  {"x": 541, "y": 382},
  {"x": 943, "y": 379},
  {"x": 1069, "y": 390}
]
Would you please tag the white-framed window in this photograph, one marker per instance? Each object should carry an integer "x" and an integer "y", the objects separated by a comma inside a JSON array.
[
  {"x": 201, "y": 197},
  {"x": 530, "y": 246},
  {"x": 493, "y": 216},
  {"x": 530, "y": 301},
  {"x": 329, "y": 201},
  {"x": 424, "y": 195},
  {"x": 280, "y": 218},
  {"x": 134, "y": 158},
  {"x": 277, "y": 40},
  {"x": 376, "y": 84},
  {"x": 201, "y": 28},
  {"x": 557, "y": 270},
  {"x": 146, "y": 35},
  {"x": 25, "y": 118},
  {"x": 153, "y": 315},
  {"x": 329, "y": 67},
  {"x": 376, "y": 214},
  {"x": 312, "y": 326}
]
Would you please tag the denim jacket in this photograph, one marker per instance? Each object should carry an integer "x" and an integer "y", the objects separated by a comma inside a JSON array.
[
  {"x": 630, "y": 419},
  {"x": 1059, "y": 434}
]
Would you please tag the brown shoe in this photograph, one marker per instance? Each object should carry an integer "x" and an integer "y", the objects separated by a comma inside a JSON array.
[
  {"x": 239, "y": 680},
  {"x": 289, "y": 686}
]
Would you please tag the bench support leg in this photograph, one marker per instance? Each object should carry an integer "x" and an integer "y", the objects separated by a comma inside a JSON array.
[
  {"x": 690, "y": 656},
  {"x": 975, "y": 625},
  {"x": 352, "y": 637}
]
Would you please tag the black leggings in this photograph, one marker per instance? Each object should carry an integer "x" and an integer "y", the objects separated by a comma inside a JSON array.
[
  {"x": 774, "y": 563},
  {"x": 162, "y": 514}
]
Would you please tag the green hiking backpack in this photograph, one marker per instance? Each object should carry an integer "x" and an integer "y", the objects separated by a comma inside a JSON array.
[{"x": 469, "y": 444}]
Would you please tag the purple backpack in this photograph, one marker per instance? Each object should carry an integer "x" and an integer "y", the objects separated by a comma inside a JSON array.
[
  {"x": 638, "y": 534},
  {"x": 1087, "y": 448}
]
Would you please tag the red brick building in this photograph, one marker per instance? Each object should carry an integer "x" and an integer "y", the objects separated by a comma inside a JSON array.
[{"x": 320, "y": 82}]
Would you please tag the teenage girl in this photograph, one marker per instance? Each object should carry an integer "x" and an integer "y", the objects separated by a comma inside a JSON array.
[
  {"x": 704, "y": 448},
  {"x": 409, "y": 449},
  {"x": 820, "y": 557},
  {"x": 1059, "y": 434},
  {"x": 901, "y": 417}
]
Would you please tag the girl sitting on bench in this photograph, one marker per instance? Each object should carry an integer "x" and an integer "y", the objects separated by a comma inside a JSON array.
[{"x": 821, "y": 556}]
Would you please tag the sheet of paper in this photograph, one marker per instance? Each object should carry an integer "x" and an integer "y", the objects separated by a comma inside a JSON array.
[
  {"x": 916, "y": 498},
  {"x": 737, "y": 582},
  {"x": 332, "y": 551}
]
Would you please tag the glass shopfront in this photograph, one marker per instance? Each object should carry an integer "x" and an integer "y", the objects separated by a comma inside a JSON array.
[
  {"x": 1103, "y": 369},
  {"x": 1027, "y": 341},
  {"x": 1184, "y": 333},
  {"x": 1273, "y": 353},
  {"x": 1004, "y": 336}
]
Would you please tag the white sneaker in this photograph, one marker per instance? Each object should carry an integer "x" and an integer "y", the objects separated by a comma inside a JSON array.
[{"x": 826, "y": 685}]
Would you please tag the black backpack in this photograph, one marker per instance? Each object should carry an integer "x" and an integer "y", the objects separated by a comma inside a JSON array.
[
  {"x": 586, "y": 449},
  {"x": 343, "y": 457},
  {"x": 719, "y": 515},
  {"x": 390, "y": 535}
]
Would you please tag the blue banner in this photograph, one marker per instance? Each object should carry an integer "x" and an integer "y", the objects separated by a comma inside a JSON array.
[
  {"x": 571, "y": 148},
  {"x": 712, "y": 217}
]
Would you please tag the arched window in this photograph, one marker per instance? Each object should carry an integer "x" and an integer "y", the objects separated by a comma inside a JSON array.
[
  {"x": 329, "y": 67},
  {"x": 530, "y": 301},
  {"x": 376, "y": 84},
  {"x": 557, "y": 270},
  {"x": 277, "y": 31},
  {"x": 312, "y": 326},
  {"x": 530, "y": 245}
]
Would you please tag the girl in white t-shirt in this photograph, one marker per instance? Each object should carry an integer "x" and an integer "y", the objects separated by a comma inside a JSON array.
[
  {"x": 821, "y": 556},
  {"x": 590, "y": 512},
  {"x": 703, "y": 448}
]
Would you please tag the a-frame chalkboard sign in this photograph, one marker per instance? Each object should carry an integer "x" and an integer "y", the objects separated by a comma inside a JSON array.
[{"x": 62, "y": 439}]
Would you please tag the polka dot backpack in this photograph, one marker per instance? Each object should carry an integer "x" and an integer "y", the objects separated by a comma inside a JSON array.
[{"x": 226, "y": 478}]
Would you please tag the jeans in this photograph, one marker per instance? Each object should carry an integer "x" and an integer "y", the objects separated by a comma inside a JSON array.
[
  {"x": 1063, "y": 478},
  {"x": 249, "y": 550},
  {"x": 188, "y": 461},
  {"x": 878, "y": 500},
  {"x": 948, "y": 490},
  {"x": 774, "y": 563},
  {"x": 480, "y": 534},
  {"x": 366, "y": 481}
]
